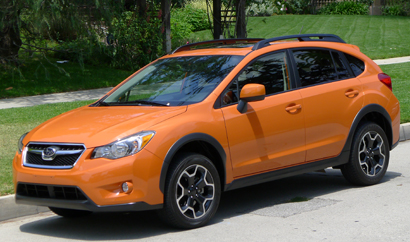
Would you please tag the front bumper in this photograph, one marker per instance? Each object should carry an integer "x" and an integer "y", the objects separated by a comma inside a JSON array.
[
  {"x": 81, "y": 203},
  {"x": 99, "y": 180}
]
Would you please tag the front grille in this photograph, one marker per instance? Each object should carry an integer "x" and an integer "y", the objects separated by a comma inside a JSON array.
[
  {"x": 66, "y": 155},
  {"x": 50, "y": 191}
]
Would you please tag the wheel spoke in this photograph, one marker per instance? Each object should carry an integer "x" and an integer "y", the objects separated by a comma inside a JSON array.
[
  {"x": 371, "y": 153},
  {"x": 195, "y": 191}
]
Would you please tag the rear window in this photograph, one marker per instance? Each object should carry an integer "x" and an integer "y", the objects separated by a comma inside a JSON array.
[{"x": 356, "y": 64}]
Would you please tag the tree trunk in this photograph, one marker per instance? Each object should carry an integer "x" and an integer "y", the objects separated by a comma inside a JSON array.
[
  {"x": 240, "y": 19},
  {"x": 10, "y": 41},
  {"x": 166, "y": 23},
  {"x": 217, "y": 19}
]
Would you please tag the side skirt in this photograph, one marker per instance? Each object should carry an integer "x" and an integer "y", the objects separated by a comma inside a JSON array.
[{"x": 341, "y": 159}]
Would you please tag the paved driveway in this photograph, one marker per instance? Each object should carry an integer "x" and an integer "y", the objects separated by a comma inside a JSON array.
[{"x": 337, "y": 211}]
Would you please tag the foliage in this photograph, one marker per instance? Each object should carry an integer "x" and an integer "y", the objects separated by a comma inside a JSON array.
[
  {"x": 83, "y": 51},
  {"x": 137, "y": 40},
  {"x": 266, "y": 7},
  {"x": 345, "y": 8},
  {"x": 185, "y": 21},
  {"x": 299, "y": 6},
  {"x": 367, "y": 2},
  {"x": 261, "y": 8},
  {"x": 197, "y": 18},
  {"x": 394, "y": 10}
]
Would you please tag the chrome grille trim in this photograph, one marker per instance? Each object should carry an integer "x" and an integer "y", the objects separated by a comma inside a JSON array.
[{"x": 65, "y": 149}]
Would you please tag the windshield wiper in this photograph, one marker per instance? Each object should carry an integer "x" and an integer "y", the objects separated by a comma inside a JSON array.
[{"x": 133, "y": 103}]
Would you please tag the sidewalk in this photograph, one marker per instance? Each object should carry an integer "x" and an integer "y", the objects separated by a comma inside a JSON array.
[{"x": 9, "y": 209}]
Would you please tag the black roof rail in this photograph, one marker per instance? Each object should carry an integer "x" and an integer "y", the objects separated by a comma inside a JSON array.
[
  {"x": 300, "y": 37},
  {"x": 217, "y": 41}
]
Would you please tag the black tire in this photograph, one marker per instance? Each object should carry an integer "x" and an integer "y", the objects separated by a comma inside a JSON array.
[
  {"x": 369, "y": 156},
  {"x": 69, "y": 213},
  {"x": 192, "y": 192}
]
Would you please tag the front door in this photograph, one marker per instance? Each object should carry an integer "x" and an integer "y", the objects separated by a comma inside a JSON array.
[{"x": 271, "y": 134}]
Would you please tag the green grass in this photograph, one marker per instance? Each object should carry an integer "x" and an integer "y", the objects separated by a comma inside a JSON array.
[
  {"x": 40, "y": 76},
  {"x": 14, "y": 123},
  {"x": 378, "y": 37},
  {"x": 298, "y": 200},
  {"x": 401, "y": 87}
]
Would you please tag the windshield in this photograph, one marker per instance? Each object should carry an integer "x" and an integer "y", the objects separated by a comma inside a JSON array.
[{"x": 174, "y": 81}]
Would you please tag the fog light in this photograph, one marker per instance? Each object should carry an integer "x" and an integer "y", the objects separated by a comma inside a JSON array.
[{"x": 127, "y": 187}]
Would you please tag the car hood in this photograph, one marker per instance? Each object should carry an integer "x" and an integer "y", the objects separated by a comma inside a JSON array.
[{"x": 96, "y": 126}]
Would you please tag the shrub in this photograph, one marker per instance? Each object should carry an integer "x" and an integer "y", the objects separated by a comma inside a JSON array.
[
  {"x": 83, "y": 51},
  {"x": 345, "y": 8},
  {"x": 394, "y": 10},
  {"x": 261, "y": 8},
  {"x": 299, "y": 6},
  {"x": 197, "y": 18}
]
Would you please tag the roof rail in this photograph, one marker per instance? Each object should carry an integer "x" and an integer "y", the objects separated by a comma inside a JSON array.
[
  {"x": 300, "y": 37},
  {"x": 217, "y": 41}
]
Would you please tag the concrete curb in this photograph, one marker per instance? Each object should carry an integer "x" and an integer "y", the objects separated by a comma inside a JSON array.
[{"x": 9, "y": 209}]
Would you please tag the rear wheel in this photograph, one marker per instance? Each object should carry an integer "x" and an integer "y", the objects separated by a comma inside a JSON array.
[
  {"x": 69, "y": 213},
  {"x": 192, "y": 192},
  {"x": 369, "y": 156}
]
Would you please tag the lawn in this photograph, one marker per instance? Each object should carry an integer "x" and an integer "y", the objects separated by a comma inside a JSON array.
[
  {"x": 378, "y": 37},
  {"x": 401, "y": 87},
  {"x": 40, "y": 76}
]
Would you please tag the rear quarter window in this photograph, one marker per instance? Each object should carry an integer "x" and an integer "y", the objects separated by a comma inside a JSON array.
[{"x": 355, "y": 64}]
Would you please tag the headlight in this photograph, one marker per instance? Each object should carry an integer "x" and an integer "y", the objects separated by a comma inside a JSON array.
[
  {"x": 124, "y": 147},
  {"x": 20, "y": 143}
]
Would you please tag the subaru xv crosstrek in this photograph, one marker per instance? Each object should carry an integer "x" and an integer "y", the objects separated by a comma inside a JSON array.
[{"x": 211, "y": 117}]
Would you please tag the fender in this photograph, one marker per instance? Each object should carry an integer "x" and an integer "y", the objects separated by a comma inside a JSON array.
[
  {"x": 371, "y": 108},
  {"x": 183, "y": 141}
]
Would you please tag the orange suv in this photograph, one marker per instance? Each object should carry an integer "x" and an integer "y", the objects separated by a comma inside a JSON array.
[{"x": 211, "y": 117}]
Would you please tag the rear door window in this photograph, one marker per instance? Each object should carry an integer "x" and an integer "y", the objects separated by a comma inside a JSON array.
[{"x": 314, "y": 66}]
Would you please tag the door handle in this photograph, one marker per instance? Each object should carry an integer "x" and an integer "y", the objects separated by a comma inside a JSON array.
[
  {"x": 293, "y": 108},
  {"x": 351, "y": 93}
]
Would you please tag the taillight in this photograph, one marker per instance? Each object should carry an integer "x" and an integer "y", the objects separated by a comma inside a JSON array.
[{"x": 386, "y": 80}]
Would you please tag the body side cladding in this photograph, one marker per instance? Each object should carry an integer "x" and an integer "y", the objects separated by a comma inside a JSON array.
[{"x": 194, "y": 137}]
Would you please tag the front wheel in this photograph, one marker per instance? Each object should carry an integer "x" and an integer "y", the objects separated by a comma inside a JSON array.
[
  {"x": 369, "y": 156},
  {"x": 192, "y": 192}
]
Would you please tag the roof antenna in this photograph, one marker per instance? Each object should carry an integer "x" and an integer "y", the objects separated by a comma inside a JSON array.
[{"x": 301, "y": 30}]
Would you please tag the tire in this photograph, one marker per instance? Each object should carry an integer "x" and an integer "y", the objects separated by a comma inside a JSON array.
[
  {"x": 192, "y": 192},
  {"x": 69, "y": 213},
  {"x": 369, "y": 156}
]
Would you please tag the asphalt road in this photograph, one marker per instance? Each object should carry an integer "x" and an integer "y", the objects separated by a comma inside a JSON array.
[{"x": 337, "y": 211}]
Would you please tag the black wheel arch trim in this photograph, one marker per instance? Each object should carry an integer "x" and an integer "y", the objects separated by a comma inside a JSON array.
[
  {"x": 183, "y": 141},
  {"x": 371, "y": 108}
]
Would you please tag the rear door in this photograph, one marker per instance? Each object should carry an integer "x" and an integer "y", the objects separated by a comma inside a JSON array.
[
  {"x": 271, "y": 134},
  {"x": 332, "y": 97}
]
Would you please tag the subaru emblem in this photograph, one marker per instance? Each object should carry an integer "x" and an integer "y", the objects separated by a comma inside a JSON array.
[{"x": 49, "y": 153}]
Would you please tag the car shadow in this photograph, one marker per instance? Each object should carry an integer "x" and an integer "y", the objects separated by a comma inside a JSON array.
[{"x": 139, "y": 225}]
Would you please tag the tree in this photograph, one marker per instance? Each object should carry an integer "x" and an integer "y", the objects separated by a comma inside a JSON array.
[{"x": 10, "y": 40}]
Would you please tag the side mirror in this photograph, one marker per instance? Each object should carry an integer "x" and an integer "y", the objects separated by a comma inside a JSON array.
[{"x": 250, "y": 93}]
